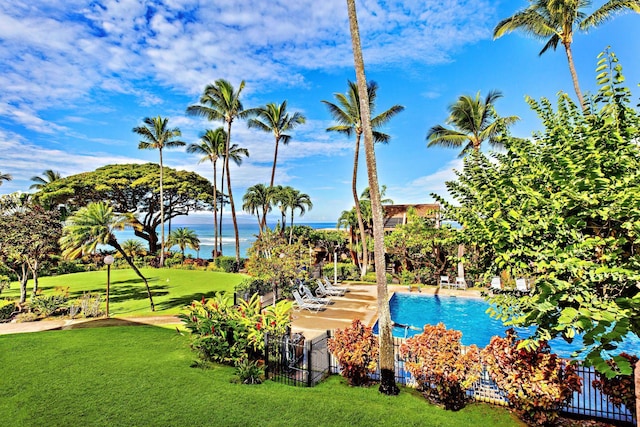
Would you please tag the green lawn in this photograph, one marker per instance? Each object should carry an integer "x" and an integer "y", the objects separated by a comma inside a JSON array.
[
  {"x": 172, "y": 289},
  {"x": 140, "y": 376}
]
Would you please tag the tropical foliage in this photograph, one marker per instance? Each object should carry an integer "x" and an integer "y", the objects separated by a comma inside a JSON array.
[
  {"x": 48, "y": 176},
  {"x": 620, "y": 389},
  {"x": 5, "y": 177},
  {"x": 184, "y": 238},
  {"x": 563, "y": 209},
  {"x": 356, "y": 349}
]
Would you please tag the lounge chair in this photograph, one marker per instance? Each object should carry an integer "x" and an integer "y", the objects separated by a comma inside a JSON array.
[
  {"x": 301, "y": 304},
  {"x": 496, "y": 285},
  {"x": 461, "y": 283},
  {"x": 322, "y": 290},
  {"x": 329, "y": 285},
  {"x": 444, "y": 281},
  {"x": 307, "y": 296},
  {"x": 521, "y": 286}
]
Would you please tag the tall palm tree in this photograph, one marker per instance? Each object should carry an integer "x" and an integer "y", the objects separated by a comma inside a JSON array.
[
  {"x": 133, "y": 248},
  {"x": 347, "y": 113},
  {"x": 184, "y": 238},
  {"x": 554, "y": 21},
  {"x": 220, "y": 101},
  {"x": 47, "y": 176},
  {"x": 257, "y": 201},
  {"x": 95, "y": 225},
  {"x": 293, "y": 199},
  {"x": 5, "y": 177},
  {"x": 474, "y": 121},
  {"x": 157, "y": 136},
  {"x": 236, "y": 155},
  {"x": 275, "y": 119},
  {"x": 386, "y": 356},
  {"x": 211, "y": 148}
]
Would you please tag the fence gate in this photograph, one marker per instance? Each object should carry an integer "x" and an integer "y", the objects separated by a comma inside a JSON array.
[{"x": 293, "y": 360}]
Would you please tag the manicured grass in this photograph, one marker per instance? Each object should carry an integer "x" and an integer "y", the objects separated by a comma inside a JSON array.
[
  {"x": 172, "y": 289},
  {"x": 140, "y": 376}
]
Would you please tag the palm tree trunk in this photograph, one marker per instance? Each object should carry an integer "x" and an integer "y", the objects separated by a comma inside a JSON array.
[
  {"x": 215, "y": 213},
  {"x": 161, "y": 212},
  {"x": 224, "y": 165},
  {"x": 574, "y": 74},
  {"x": 118, "y": 248},
  {"x": 356, "y": 199},
  {"x": 387, "y": 363},
  {"x": 233, "y": 206},
  {"x": 291, "y": 228}
]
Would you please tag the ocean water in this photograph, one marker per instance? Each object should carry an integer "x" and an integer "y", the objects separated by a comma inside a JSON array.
[{"x": 247, "y": 233}]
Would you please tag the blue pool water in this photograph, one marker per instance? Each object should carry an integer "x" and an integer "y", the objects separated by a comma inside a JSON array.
[{"x": 469, "y": 316}]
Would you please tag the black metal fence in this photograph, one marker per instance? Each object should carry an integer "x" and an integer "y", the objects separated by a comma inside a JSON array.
[{"x": 296, "y": 361}]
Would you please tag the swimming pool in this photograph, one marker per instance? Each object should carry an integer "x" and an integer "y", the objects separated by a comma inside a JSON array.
[{"x": 467, "y": 315}]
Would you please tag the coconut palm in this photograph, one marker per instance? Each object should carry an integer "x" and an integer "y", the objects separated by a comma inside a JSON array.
[
  {"x": 555, "y": 22},
  {"x": 184, "y": 238},
  {"x": 211, "y": 148},
  {"x": 5, "y": 177},
  {"x": 294, "y": 199},
  {"x": 386, "y": 354},
  {"x": 133, "y": 248},
  {"x": 47, "y": 177},
  {"x": 220, "y": 101},
  {"x": 93, "y": 225},
  {"x": 275, "y": 119},
  {"x": 236, "y": 155},
  {"x": 474, "y": 121},
  {"x": 346, "y": 112},
  {"x": 157, "y": 136},
  {"x": 257, "y": 201}
]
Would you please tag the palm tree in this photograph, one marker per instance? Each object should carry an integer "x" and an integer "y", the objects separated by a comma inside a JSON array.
[
  {"x": 221, "y": 102},
  {"x": 347, "y": 114},
  {"x": 95, "y": 225},
  {"x": 294, "y": 199},
  {"x": 386, "y": 362},
  {"x": 184, "y": 238},
  {"x": 133, "y": 248},
  {"x": 474, "y": 122},
  {"x": 5, "y": 177},
  {"x": 236, "y": 155},
  {"x": 275, "y": 119},
  {"x": 39, "y": 182},
  {"x": 211, "y": 148},
  {"x": 256, "y": 199},
  {"x": 554, "y": 21},
  {"x": 157, "y": 136},
  {"x": 349, "y": 220}
]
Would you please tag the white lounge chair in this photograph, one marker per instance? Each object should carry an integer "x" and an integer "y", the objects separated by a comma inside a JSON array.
[
  {"x": 301, "y": 304},
  {"x": 444, "y": 281},
  {"x": 323, "y": 291},
  {"x": 521, "y": 286},
  {"x": 496, "y": 285},
  {"x": 329, "y": 285},
  {"x": 307, "y": 296},
  {"x": 461, "y": 283}
]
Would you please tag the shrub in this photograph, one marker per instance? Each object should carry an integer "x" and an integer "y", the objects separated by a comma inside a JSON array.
[
  {"x": 250, "y": 371},
  {"x": 441, "y": 369},
  {"x": 27, "y": 316},
  {"x": 356, "y": 349},
  {"x": 371, "y": 277},
  {"x": 7, "y": 307},
  {"x": 537, "y": 382},
  {"x": 346, "y": 271},
  {"x": 47, "y": 305},
  {"x": 620, "y": 389},
  {"x": 90, "y": 304},
  {"x": 68, "y": 267},
  {"x": 228, "y": 264},
  {"x": 4, "y": 283},
  {"x": 248, "y": 287}
]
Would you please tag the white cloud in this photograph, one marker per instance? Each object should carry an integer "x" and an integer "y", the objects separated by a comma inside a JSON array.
[{"x": 419, "y": 190}]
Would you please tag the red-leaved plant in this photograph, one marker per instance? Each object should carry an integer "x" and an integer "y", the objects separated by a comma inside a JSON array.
[
  {"x": 356, "y": 349},
  {"x": 442, "y": 371},
  {"x": 620, "y": 389},
  {"x": 537, "y": 382}
]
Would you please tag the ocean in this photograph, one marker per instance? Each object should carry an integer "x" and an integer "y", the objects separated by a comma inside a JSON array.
[{"x": 247, "y": 233}]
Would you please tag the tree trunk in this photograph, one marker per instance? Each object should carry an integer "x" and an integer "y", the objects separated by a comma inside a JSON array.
[
  {"x": 233, "y": 206},
  {"x": 291, "y": 227},
  {"x": 215, "y": 213},
  {"x": 275, "y": 159},
  {"x": 23, "y": 282},
  {"x": 117, "y": 246},
  {"x": 574, "y": 74},
  {"x": 34, "y": 274},
  {"x": 356, "y": 200},
  {"x": 387, "y": 361},
  {"x": 161, "y": 213},
  {"x": 637, "y": 384},
  {"x": 224, "y": 163}
]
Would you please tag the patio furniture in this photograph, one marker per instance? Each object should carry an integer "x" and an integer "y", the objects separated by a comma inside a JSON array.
[
  {"x": 444, "y": 281},
  {"x": 496, "y": 285},
  {"x": 301, "y": 304},
  {"x": 461, "y": 283},
  {"x": 307, "y": 296},
  {"x": 329, "y": 285},
  {"x": 521, "y": 286},
  {"x": 323, "y": 291}
]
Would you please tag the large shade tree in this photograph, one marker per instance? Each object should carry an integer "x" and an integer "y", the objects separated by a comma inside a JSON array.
[
  {"x": 474, "y": 121},
  {"x": 221, "y": 102},
  {"x": 133, "y": 188},
  {"x": 156, "y": 135},
  {"x": 347, "y": 114},
  {"x": 93, "y": 225},
  {"x": 555, "y": 21},
  {"x": 211, "y": 148},
  {"x": 387, "y": 361}
]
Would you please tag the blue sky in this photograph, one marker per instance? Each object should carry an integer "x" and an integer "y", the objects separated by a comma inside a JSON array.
[{"x": 76, "y": 77}]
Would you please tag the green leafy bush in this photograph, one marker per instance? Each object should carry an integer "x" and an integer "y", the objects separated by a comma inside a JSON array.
[
  {"x": 7, "y": 307},
  {"x": 537, "y": 382},
  {"x": 68, "y": 267},
  {"x": 443, "y": 372},
  {"x": 228, "y": 264},
  {"x": 250, "y": 371},
  {"x": 346, "y": 271},
  {"x": 371, "y": 277},
  {"x": 356, "y": 349},
  {"x": 88, "y": 305},
  {"x": 47, "y": 305},
  {"x": 621, "y": 388},
  {"x": 248, "y": 287},
  {"x": 5, "y": 283}
]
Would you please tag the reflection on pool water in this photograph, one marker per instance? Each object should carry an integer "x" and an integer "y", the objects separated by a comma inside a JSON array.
[{"x": 469, "y": 316}]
